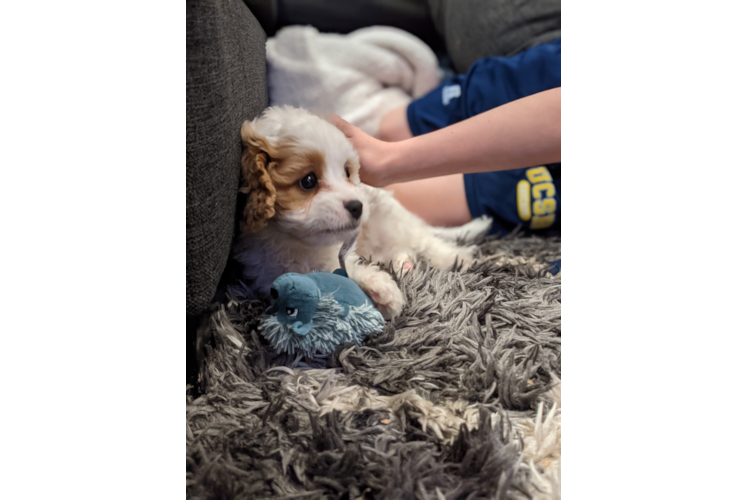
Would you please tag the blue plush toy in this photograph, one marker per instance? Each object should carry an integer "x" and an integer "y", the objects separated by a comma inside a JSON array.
[{"x": 317, "y": 312}]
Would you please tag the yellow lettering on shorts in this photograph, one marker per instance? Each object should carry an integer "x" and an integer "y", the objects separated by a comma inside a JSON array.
[
  {"x": 550, "y": 190},
  {"x": 523, "y": 200},
  {"x": 539, "y": 174},
  {"x": 542, "y": 221},
  {"x": 543, "y": 192},
  {"x": 544, "y": 207}
]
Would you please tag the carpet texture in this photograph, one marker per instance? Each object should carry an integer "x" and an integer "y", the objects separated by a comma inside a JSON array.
[{"x": 459, "y": 397}]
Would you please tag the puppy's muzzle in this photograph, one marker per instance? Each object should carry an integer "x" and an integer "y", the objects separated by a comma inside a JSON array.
[{"x": 355, "y": 208}]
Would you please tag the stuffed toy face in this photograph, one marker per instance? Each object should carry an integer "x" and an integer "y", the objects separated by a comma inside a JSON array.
[
  {"x": 317, "y": 312},
  {"x": 295, "y": 298}
]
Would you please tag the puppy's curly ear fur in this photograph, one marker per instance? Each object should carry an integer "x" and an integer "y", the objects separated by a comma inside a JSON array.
[{"x": 256, "y": 181}]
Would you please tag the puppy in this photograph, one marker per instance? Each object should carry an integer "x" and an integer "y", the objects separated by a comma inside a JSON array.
[{"x": 305, "y": 199}]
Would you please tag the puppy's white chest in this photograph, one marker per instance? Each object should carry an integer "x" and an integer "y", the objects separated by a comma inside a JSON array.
[
  {"x": 314, "y": 259},
  {"x": 265, "y": 260}
]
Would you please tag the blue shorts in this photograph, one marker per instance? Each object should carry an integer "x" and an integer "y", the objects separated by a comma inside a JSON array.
[{"x": 527, "y": 197}]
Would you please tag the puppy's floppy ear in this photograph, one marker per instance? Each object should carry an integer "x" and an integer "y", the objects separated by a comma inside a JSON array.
[
  {"x": 353, "y": 166},
  {"x": 256, "y": 182}
]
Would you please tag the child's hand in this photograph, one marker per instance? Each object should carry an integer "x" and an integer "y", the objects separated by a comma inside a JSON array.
[{"x": 373, "y": 154}]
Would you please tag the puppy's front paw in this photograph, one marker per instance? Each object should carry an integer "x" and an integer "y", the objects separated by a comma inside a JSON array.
[{"x": 385, "y": 294}]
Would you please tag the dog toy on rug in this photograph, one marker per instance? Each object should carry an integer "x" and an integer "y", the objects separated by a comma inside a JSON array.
[{"x": 317, "y": 312}]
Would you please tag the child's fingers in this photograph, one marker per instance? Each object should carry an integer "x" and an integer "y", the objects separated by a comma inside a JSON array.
[{"x": 341, "y": 124}]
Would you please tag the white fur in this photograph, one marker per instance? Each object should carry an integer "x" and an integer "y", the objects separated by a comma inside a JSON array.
[{"x": 309, "y": 239}]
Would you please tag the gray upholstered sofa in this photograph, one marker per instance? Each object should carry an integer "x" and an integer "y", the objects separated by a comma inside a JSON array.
[{"x": 226, "y": 84}]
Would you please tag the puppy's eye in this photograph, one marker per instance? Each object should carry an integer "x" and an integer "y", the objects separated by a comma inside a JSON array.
[
  {"x": 308, "y": 182},
  {"x": 348, "y": 172},
  {"x": 292, "y": 312}
]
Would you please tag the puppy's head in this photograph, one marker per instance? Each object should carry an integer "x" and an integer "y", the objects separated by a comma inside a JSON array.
[{"x": 300, "y": 173}]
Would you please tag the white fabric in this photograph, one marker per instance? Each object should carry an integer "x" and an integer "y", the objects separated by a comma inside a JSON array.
[{"x": 359, "y": 76}]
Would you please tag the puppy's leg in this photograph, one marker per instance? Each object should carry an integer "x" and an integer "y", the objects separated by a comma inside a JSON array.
[
  {"x": 392, "y": 234},
  {"x": 403, "y": 262},
  {"x": 472, "y": 232},
  {"x": 440, "y": 253},
  {"x": 377, "y": 284}
]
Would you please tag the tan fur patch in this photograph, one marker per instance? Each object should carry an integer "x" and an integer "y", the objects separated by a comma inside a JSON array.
[
  {"x": 271, "y": 175},
  {"x": 287, "y": 173},
  {"x": 256, "y": 183},
  {"x": 353, "y": 167}
]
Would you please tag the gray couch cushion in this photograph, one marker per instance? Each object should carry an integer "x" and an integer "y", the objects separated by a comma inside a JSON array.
[
  {"x": 473, "y": 29},
  {"x": 225, "y": 86},
  {"x": 344, "y": 16}
]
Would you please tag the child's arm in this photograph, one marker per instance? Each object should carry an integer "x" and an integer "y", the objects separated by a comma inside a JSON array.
[{"x": 522, "y": 133}]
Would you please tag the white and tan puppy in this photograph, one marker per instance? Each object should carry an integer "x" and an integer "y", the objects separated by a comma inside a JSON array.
[{"x": 305, "y": 199}]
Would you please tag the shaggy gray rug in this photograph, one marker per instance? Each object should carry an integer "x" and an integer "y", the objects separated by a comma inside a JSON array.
[{"x": 459, "y": 397}]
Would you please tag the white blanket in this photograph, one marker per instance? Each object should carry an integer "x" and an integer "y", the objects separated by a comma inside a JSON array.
[{"x": 359, "y": 76}]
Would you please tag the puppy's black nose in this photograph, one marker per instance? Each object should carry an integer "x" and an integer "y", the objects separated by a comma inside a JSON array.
[{"x": 354, "y": 207}]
